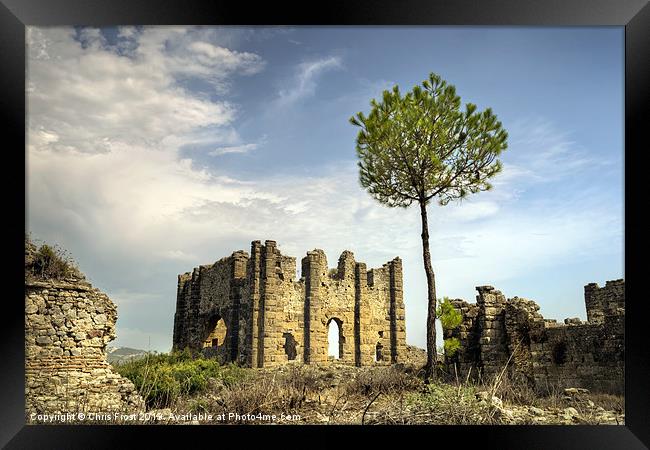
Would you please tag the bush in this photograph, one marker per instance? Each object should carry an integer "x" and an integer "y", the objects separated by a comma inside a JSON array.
[
  {"x": 445, "y": 404},
  {"x": 450, "y": 318},
  {"x": 232, "y": 375},
  {"x": 259, "y": 396},
  {"x": 515, "y": 388},
  {"x": 451, "y": 346},
  {"x": 295, "y": 385},
  {"x": 277, "y": 391},
  {"x": 48, "y": 262},
  {"x": 162, "y": 378},
  {"x": 386, "y": 380}
]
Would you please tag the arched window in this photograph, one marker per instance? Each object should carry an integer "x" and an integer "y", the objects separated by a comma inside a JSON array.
[
  {"x": 335, "y": 338},
  {"x": 379, "y": 352},
  {"x": 217, "y": 333}
]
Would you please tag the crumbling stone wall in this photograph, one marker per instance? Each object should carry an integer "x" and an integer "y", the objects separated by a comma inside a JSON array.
[
  {"x": 606, "y": 301},
  {"x": 498, "y": 333},
  {"x": 524, "y": 328},
  {"x": 272, "y": 318},
  {"x": 67, "y": 326},
  {"x": 493, "y": 349}
]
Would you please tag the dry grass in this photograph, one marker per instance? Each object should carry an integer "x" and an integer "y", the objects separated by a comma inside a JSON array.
[
  {"x": 608, "y": 402},
  {"x": 337, "y": 394},
  {"x": 518, "y": 391},
  {"x": 382, "y": 380},
  {"x": 378, "y": 395},
  {"x": 260, "y": 392}
]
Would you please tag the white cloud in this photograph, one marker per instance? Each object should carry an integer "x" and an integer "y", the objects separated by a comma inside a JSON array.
[
  {"x": 244, "y": 148},
  {"x": 304, "y": 83},
  {"x": 104, "y": 138},
  {"x": 176, "y": 255},
  {"x": 92, "y": 97},
  {"x": 211, "y": 56},
  {"x": 474, "y": 211},
  {"x": 126, "y": 32},
  {"x": 237, "y": 148},
  {"x": 189, "y": 52},
  {"x": 549, "y": 152}
]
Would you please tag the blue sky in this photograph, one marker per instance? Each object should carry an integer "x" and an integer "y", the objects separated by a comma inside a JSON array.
[{"x": 153, "y": 150}]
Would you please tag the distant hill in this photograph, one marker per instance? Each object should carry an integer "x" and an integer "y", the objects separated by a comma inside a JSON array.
[{"x": 123, "y": 354}]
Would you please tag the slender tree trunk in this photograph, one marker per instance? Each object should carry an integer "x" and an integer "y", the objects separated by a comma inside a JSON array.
[{"x": 430, "y": 371}]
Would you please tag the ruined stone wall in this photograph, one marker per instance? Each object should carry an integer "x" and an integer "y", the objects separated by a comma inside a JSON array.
[
  {"x": 387, "y": 325},
  {"x": 524, "y": 328},
  {"x": 281, "y": 312},
  {"x": 495, "y": 332},
  {"x": 67, "y": 326},
  {"x": 379, "y": 327},
  {"x": 581, "y": 355},
  {"x": 605, "y": 301},
  {"x": 493, "y": 348},
  {"x": 281, "y": 319}
]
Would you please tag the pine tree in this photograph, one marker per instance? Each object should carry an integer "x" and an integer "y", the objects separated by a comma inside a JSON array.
[{"x": 421, "y": 146}]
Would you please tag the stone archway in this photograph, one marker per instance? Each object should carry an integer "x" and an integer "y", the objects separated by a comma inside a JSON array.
[
  {"x": 335, "y": 338},
  {"x": 216, "y": 331}
]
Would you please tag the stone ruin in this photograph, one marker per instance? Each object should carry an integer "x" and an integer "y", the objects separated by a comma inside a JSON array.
[
  {"x": 251, "y": 309},
  {"x": 495, "y": 332},
  {"x": 67, "y": 326}
]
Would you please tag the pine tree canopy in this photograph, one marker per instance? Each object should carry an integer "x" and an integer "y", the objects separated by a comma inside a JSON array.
[{"x": 423, "y": 145}]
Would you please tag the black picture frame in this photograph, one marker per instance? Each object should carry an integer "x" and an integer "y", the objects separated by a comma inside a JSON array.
[{"x": 634, "y": 15}]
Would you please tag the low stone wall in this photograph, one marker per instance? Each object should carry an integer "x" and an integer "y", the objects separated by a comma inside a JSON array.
[
  {"x": 67, "y": 326},
  {"x": 581, "y": 355},
  {"x": 498, "y": 333}
]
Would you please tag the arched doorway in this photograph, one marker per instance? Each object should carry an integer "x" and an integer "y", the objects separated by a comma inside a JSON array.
[
  {"x": 335, "y": 338},
  {"x": 217, "y": 331}
]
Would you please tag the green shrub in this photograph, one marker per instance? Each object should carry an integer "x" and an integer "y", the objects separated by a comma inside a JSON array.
[
  {"x": 451, "y": 346},
  {"x": 232, "y": 374},
  {"x": 162, "y": 378},
  {"x": 449, "y": 316},
  {"x": 199, "y": 405}
]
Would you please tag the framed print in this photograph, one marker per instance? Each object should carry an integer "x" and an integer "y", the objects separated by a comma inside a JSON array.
[{"x": 375, "y": 219}]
